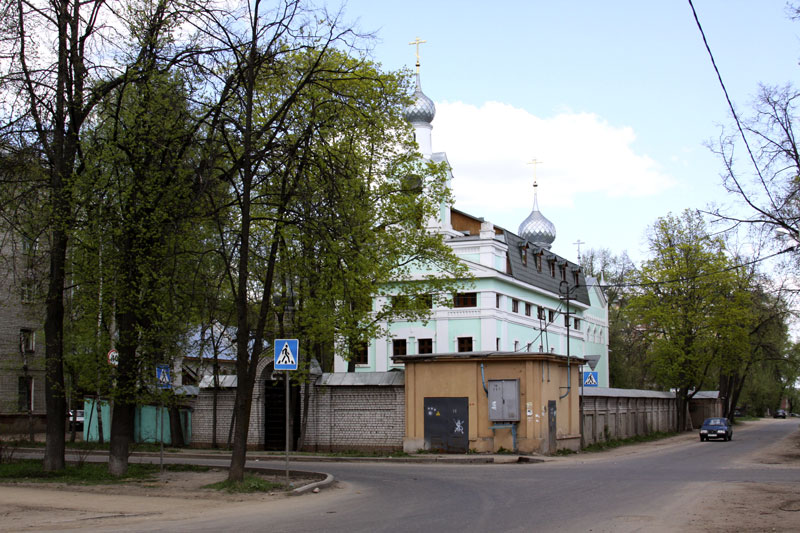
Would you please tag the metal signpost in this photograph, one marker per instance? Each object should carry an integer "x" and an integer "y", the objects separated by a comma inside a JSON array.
[
  {"x": 164, "y": 381},
  {"x": 287, "y": 354}
]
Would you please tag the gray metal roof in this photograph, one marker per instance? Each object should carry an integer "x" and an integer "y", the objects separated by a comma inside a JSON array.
[
  {"x": 487, "y": 354},
  {"x": 706, "y": 395},
  {"x": 362, "y": 379},
  {"x": 625, "y": 393},
  {"x": 527, "y": 271}
]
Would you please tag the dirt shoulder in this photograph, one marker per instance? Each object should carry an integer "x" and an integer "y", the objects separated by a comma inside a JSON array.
[
  {"x": 751, "y": 506},
  {"x": 170, "y": 495}
]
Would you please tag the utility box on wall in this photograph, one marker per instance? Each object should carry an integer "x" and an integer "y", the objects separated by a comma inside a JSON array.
[{"x": 504, "y": 400}]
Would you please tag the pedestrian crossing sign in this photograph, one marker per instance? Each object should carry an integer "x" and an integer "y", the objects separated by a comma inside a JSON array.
[
  {"x": 163, "y": 377},
  {"x": 590, "y": 379},
  {"x": 286, "y": 354}
]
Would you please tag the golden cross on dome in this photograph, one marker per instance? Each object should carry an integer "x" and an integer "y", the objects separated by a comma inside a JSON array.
[
  {"x": 417, "y": 42},
  {"x": 535, "y": 162},
  {"x": 579, "y": 242}
]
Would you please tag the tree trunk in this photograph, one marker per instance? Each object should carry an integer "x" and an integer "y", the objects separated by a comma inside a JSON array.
[
  {"x": 121, "y": 431},
  {"x": 124, "y": 402},
  {"x": 242, "y": 407},
  {"x": 54, "y": 361}
]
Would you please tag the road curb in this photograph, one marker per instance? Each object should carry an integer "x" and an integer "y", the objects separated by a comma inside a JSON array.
[{"x": 328, "y": 481}]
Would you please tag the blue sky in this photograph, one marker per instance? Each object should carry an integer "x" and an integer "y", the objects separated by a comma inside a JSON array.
[{"x": 617, "y": 99}]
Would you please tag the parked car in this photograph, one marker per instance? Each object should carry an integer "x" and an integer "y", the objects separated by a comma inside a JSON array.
[
  {"x": 716, "y": 428},
  {"x": 75, "y": 418},
  {"x": 780, "y": 413}
]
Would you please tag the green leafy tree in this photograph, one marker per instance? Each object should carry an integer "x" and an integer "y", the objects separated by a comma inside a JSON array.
[
  {"x": 629, "y": 367},
  {"x": 305, "y": 140},
  {"x": 689, "y": 306},
  {"x": 60, "y": 58},
  {"x": 141, "y": 183}
]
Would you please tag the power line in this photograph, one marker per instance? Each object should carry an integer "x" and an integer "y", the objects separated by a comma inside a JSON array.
[
  {"x": 698, "y": 276},
  {"x": 730, "y": 105}
]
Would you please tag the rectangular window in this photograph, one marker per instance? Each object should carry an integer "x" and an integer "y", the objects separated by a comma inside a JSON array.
[
  {"x": 516, "y": 346},
  {"x": 426, "y": 346},
  {"x": 404, "y": 302},
  {"x": 515, "y": 306},
  {"x": 27, "y": 291},
  {"x": 563, "y": 270},
  {"x": 552, "y": 265},
  {"x": 539, "y": 262},
  {"x": 464, "y": 344},
  {"x": 400, "y": 302},
  {"x": 25, "y": 393},
  {"x": 528, "y": 309},
  {"x": 426, "y": 300},
  {"x": 551, "y": 315},
  {"x": 524, "y": 256},
  {"x": 398, "y": 347},
  {"x": 465, "y": 299},
  {"x": 576, "y": 278},
  {"x": 529, "y": 347},
  {"x": 29, "y": 246},
  {"x": 497, "y": 302},
  {"x": 566, "y": 321},
  {"x": 540, "y": 312},
  {"x": 497, "y": 344},
  {"x": 27, "y": 341},
  {"x": 361, "y": 354},
  {"x": 577, "y": 324}
]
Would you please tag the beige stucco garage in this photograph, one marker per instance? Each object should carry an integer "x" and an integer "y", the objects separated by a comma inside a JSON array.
[{"x": 448, "y": 406}]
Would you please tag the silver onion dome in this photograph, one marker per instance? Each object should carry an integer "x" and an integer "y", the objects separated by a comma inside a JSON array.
[
  {"x": 422, "y": 109},
  {"x": 536, "y": 228}
]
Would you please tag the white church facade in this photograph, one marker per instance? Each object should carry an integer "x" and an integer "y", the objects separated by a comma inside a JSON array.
[{"x": 524, "y": 297}]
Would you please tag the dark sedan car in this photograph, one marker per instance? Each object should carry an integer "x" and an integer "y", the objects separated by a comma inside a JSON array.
[
  {"x": 780, "y": 413},
  {"x": 716, "y": 428}
]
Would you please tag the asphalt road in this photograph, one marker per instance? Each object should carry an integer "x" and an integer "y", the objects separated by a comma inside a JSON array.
[{"x": 620, "y": 491}]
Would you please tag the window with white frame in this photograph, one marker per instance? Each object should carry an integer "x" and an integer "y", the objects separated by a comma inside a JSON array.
[{"x": 27, "y": 341}]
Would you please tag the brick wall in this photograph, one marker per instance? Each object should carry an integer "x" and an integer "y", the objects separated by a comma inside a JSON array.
[
  {"x": 355, "y": 418},
  {"x": 202, "y": 417}
]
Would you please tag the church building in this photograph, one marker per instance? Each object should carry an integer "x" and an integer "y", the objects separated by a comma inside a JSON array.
[{"x": 524, "y": 298}]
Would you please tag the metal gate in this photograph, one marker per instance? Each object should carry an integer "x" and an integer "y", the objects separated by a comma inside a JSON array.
[
  {"x": 275, "y": 413},
  {"x": 551, "y": 425},
  {"x": 447, "y": 424}
]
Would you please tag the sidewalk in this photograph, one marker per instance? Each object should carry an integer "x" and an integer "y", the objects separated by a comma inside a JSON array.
[{"x": 191, "y": 453}]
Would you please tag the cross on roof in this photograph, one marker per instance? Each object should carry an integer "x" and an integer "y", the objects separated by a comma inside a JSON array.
[
  {"x": 578, "y": 243},
  {"x": 417, "y": 42},
  {"x": 535, "y": 162}
]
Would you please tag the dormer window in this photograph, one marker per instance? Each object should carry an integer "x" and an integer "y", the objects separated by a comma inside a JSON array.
[{"x": 552, "y": 265}]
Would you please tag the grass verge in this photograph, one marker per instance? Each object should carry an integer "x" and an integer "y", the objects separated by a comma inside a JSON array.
[{"x": 30, "y": 471}]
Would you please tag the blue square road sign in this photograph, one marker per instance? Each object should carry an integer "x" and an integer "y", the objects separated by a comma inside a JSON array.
[{"x": 287, "y": 354}]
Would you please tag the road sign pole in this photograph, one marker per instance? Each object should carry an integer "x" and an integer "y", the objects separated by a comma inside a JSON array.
[
  {"x": 286, "y": 383},
  {"x": 161, "y": 411}
]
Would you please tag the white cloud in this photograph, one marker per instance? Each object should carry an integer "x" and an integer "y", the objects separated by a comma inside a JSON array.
[{"x": 490, "y": 146}]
